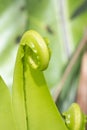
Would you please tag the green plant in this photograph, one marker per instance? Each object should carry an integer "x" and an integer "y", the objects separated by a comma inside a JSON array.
[
  {"x": 37, "y": 110},
  {"x": 74, "y": 118},
  {"x": 31, "y": 106}
]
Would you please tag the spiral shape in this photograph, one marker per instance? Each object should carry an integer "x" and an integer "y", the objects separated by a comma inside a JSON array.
[
  {"x": 39, "y": 53},
  {"x": 74, "y": 118}
]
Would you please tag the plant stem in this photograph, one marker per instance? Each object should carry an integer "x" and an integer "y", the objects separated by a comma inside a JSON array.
[{"x": 70, "y": 66}]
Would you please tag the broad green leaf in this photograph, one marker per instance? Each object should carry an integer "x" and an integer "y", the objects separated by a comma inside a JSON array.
[
  {"x": 7, "y": 121},
  {"x": 33, "y": 106}
]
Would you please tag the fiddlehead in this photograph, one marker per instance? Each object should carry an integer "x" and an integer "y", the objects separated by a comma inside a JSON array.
[
  {"x": 33, "y": 105},
  {"x": 39, "y": 53},
  {"x": 74, "y": 118}
]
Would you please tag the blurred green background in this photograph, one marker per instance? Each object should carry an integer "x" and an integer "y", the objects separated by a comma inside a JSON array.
[{"x": 64, "y": 23}]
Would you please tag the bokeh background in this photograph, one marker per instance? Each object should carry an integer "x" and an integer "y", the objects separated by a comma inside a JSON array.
[{"x": 64, "y": 23}]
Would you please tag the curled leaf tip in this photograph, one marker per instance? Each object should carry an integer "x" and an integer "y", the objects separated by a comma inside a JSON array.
[
  {"x": 74, "y": 118},
  {"x": 39, "y": 52}
]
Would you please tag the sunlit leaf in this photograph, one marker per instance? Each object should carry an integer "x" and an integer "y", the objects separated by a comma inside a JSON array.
[{"x": 6, "y": 114}]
